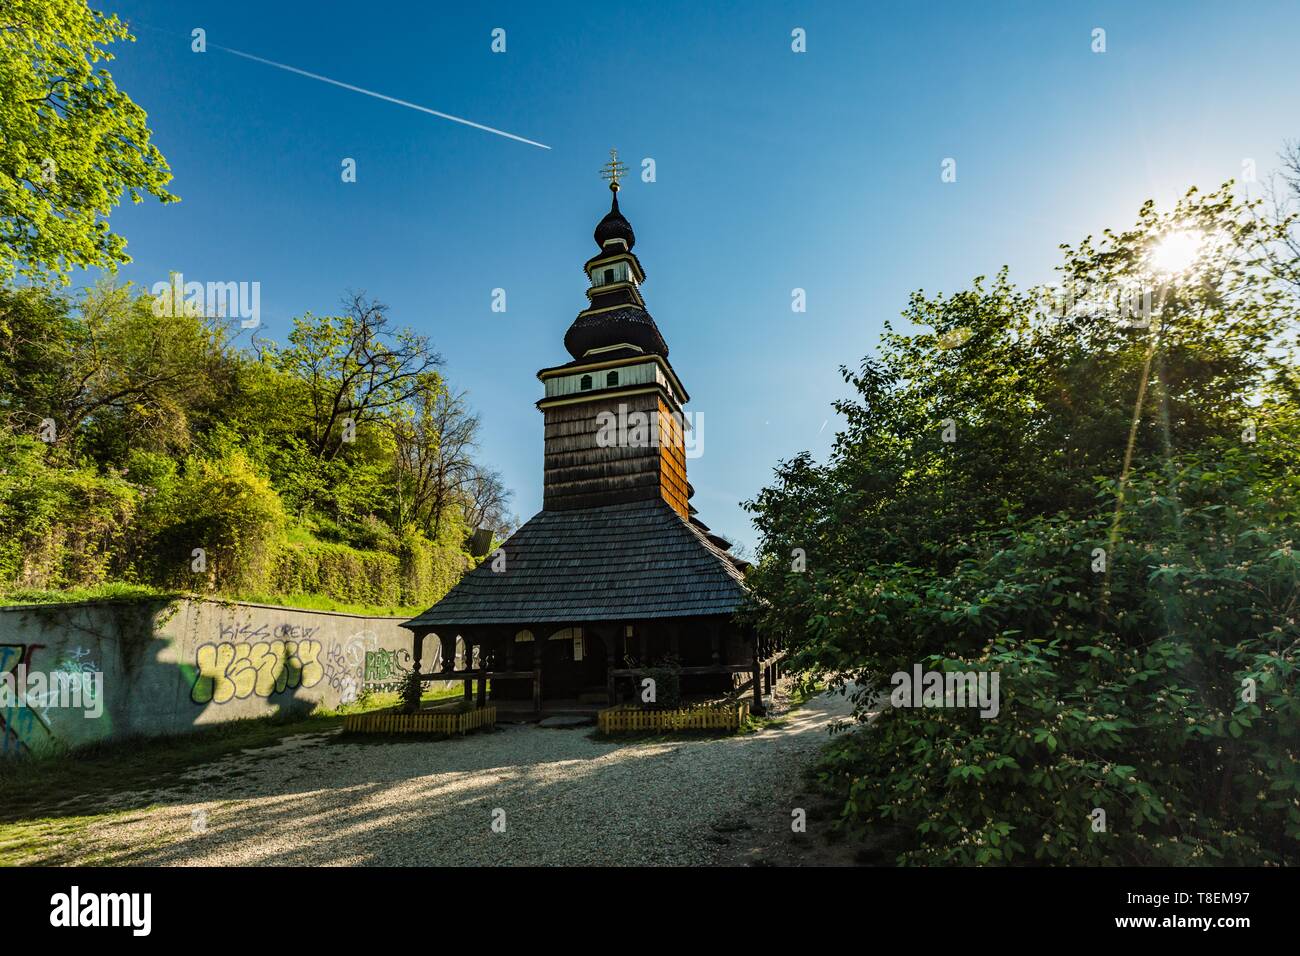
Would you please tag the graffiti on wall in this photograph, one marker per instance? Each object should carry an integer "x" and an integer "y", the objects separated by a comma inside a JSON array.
[
  {"x": 229, "y": 671},
  {"x": 385, "y": 670},
  {"x": 359, "y": 665},
  {"x": 263, "y": 660},
  {"x": 344, "y": 664},
  {"x": 22, "y": 728},
  {"x": 80, "y": 669},
  {"x": 261, "y": 632}
]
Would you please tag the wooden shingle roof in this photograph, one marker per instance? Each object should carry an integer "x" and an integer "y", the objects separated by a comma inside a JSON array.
[{"x": 632, "y": 561}]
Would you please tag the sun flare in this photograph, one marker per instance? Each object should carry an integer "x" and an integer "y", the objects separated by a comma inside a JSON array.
[{"x": 1176, "y": 251}]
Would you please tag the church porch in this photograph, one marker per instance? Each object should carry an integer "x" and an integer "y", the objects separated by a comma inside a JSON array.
[{"x": 582, "y": 668}]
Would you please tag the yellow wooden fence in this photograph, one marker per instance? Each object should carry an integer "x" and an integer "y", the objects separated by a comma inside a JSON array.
[
  {"x": 420, "y": 723},
  {"x": 729, "y": 716}
]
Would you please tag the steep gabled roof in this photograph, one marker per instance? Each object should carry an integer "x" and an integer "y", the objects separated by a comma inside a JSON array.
[{"x": 622, "y": 562}]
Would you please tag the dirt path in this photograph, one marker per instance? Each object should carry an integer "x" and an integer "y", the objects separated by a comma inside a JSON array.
[{"x": 555, "y": 796}]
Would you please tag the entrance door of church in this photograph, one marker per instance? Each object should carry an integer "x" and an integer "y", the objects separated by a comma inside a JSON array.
[{"x": 560, "y": 677}]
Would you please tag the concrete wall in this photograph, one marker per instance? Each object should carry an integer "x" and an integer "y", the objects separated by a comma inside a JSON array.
[{"x": 173, "y": 666}]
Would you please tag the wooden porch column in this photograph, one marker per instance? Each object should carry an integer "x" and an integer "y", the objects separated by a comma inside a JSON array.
[
  {"x": 448, "y": 646},
  {"x": 537, "y": 669},
  {"x": 758, "y": 683},
  {"x": 417, "y": 650},
  {"x": 486, "y": 653},
  {"x": 611, "y": 659},
  {"x": 469, "y": 666}
]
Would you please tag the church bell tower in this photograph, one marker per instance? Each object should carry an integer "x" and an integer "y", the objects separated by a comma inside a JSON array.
[{"x": 614, "y": 422}]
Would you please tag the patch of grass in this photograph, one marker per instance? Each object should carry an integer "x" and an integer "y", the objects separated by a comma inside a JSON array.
[
  {"x": 390, "y": 699},
  {"x": 105, "y": 592},
  {"x": 68, "y": 840},
  {"x": 119, "y": 591},
  {"x": 322, "y": 602},
  {"x": 800, "y": 693},
  {"x": 76, "y": 781},
  {"x": 44, "y": 842}
]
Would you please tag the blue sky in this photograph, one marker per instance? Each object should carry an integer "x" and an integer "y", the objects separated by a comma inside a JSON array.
[{"x": 775, "y": 170}]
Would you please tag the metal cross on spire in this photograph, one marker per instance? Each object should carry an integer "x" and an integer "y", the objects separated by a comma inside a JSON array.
[{"x": 613, "y": 171}]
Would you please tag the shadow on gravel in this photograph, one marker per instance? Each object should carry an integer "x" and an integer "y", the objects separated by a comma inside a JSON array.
[{"x": 365, "y": 799}]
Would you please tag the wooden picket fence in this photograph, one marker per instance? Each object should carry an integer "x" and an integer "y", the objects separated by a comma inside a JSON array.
[
  {"x": 421, "y": 723},
  {"x": 625, "y": 718}
]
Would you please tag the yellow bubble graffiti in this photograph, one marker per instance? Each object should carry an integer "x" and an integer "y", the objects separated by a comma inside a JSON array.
[{"x": 237, "y": 671}]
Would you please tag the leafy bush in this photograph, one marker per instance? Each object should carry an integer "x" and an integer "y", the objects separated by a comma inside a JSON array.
[
  {"x": 408, "y": 697},
  {"x": 371, "y": 534},
  {"x": 224, "y": 507},
  {"x": 1122, "y": 692},
  {"x": 431, "y": 568},
  {"x": 59, "y": 527},
  {"x": 345, "y": 574},
  {"x": 169, "y": 437},
  {"x": 667, "y": 676}
]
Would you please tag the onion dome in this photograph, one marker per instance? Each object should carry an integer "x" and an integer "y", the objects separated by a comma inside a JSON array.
[
  {"x": 628, "y": 324},
  {"x": 614, "y": 226}
]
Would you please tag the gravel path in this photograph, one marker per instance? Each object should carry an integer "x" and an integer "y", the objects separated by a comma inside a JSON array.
[{"x": 563, "y": 797}]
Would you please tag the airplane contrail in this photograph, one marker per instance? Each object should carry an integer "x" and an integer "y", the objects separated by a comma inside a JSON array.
[{"x": 379, "y": 96}]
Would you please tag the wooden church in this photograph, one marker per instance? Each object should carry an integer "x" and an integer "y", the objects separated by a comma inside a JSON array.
[{"x": 616, "y": 573}]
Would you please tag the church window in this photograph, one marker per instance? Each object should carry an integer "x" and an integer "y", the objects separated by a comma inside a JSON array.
[
  {"x": 609, "y": 276},
  {"x": 585, "y": 383},
  {"x": 611, "y": 379}
]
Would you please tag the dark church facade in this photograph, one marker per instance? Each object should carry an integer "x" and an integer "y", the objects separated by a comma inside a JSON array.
[{"x": 616, "y": 573}]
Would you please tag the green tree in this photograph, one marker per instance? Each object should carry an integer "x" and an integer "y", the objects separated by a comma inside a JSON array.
[
  {"x": 987, "y": 461},
  {"x": 111, "y": 374},
  {"x": 71, "y": 144},
  {"x": 37, "y": 328},
  {"x": 355, "y": 367}
]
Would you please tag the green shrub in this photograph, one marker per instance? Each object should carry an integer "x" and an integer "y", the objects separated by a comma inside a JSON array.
[
  {"x": 150, "y": 469},
  {"x": 343, "y": 573},
  {"x": 224, "y": 507},
  {"x": 60, "y": 527},
  {"x": 371, "y": 534},
  {"x": 408, "y": 698},
  {"x": 1124, "y": 692},
  {"x": 667, "y": 676},
  {"x": 430, "y": 569}
]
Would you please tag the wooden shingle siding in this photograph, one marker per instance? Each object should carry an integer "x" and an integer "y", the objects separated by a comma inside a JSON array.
[
  {"x": 580, "y": 473},
  {"x": 672, "y": 461}
]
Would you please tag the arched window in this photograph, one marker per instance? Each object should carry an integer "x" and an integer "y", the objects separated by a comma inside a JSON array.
[
  {"x": 573, "y": 651},
  {"x": 611, "y": 379},
  {"x": 585, "y": 383}
]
